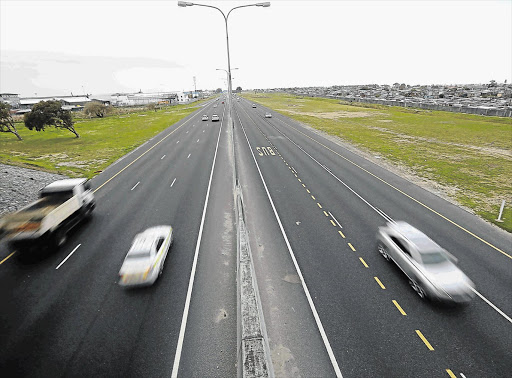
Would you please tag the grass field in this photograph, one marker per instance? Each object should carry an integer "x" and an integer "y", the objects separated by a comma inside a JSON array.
[
  {"x": 102, "y": 141},
  {"x": 469, "y": 156}
]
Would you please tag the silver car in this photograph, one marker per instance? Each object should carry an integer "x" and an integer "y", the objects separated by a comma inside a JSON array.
[
  {"x": 145, "y": 259},
  {"x": 431, "y": 270}
]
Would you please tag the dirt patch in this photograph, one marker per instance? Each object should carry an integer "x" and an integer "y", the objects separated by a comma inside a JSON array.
[
  {"x": 488, "y": 151},
  {"x": 332, "y": 115}
]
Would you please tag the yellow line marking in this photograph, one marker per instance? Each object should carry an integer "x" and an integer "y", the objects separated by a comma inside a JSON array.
[
  {"x": 450, "y": 373},
  {"x": 303, "y": 185},
  {"x": 380, "y": 283},
  {"x": 299, "y": 179},
  {"x": 408, "y": 196},
  {"x": 341, "y": 233},
  {"x": 307, "y": 190},
  {"x": 334, "y": 224},
  {"x": 1, "y": 262},
  {"x": 399, "y": 308},
  {"x": 325, "y": 212},
  {"x": 320, "y": 206},
  {"x": 295, "y": 176},
  {"x": 364, "y": 262},
  {"x": 351, "y": 247},
  {"x": 312, "y": 196},
  {"x": 424, "y": 340},
  {"x": 144, "y": 153}
]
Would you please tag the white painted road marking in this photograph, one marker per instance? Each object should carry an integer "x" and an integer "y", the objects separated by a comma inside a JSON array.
[
  {"x": 490, "y": 304},
  {"x": 135, "y": 185},
  {"x": 162, "y": 157},
  {"x": 68, "y": 256},
  {"x": 173, "y": 181},
  {"x": 338, "y": 223},
  {"x": 177, "y": 142},
  {"x": 177, "y": 357},
  {"x": 188, "y": 155},
  {"x": 197, "y": 141}
]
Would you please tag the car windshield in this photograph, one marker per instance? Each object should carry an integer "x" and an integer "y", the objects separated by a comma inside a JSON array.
[{"x": 433, "y": 258}]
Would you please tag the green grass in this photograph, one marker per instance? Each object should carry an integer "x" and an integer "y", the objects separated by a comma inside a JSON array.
[
  {"x": 469, "y": 155},
  {"x": 102, "y": 141}
]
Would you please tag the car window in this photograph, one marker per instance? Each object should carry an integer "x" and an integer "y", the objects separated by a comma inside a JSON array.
[
  {"x": 401, "y": 246},
  {"x": 159, "y": 243},
  {"x": 433, "y": 258},
  {"x": 138, "y": 254}
]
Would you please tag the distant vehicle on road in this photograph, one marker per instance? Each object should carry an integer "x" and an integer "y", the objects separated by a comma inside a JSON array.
[
  {"x": 205, "y": 118},
  {"x": 45, "y": 222},
  {"x": 146, "y": 257},
  {"x": 431, "y": 270},
  {"x": 215, "y": 105},
  {"x": 268, "y": 115},
  {"x": 253, "y": 105},
  {"x": 215, "y": 118}
]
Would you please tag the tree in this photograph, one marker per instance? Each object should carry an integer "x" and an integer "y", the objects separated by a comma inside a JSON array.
[
  {"x": 6, "y": 121},
  {"x": 49, "y": 113},
  {"x": 218, "y": 90},
  {"x": 95, "y": 108},
  {"x": 238, "y": 89}
]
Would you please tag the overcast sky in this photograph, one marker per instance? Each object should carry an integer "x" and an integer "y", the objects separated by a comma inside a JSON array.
[{"x": 98, "y": 47}]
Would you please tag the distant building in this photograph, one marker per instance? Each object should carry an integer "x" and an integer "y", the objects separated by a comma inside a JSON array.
[
  {"x": 73, "y": 103},
  {"x": 12, "y": 99},
  {"x": 141, "y": 99}
]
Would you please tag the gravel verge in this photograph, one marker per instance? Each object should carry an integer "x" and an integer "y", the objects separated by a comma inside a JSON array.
[{"x": 20, "y": 186}]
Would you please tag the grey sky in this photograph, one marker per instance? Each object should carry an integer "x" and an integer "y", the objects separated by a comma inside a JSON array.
[{"x": 59, "y": 47}]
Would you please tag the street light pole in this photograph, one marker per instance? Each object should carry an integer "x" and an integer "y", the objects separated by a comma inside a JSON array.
[{"x": 189, "y": 4}]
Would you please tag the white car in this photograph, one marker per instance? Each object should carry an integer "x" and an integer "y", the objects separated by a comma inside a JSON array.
[
  {"x": 215, "y": 118},
  {"x": 205, "y": 118},
  {"x": 268, "y": 115},
  {"x": 146, "y": 257},
  {"x": 431, "y": 269}
]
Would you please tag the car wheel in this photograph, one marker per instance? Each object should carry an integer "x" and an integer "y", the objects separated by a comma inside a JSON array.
[
  {"x": 418, "y": 289},
  {"x": 382, "y": 251}
]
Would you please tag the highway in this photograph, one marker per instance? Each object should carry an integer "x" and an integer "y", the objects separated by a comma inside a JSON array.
[{"x": 332, "y": 306}]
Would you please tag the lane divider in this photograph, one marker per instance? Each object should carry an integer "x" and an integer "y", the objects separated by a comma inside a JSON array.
[{"x": 418, "y": 332}]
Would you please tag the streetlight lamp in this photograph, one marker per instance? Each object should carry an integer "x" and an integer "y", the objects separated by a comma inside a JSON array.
[
  {"x": 189, "y": 4},
  {"x": 226, "y": 71}
]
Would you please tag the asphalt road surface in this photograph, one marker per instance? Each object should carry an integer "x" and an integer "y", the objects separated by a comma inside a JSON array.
[{"x": 331, "y": 304}]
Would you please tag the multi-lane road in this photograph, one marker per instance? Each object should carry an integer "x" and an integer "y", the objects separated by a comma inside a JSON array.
[{"x": 331, "y": 304}]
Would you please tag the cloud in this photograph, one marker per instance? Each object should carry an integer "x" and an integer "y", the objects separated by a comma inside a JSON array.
[{"x": 53, "y": 73}]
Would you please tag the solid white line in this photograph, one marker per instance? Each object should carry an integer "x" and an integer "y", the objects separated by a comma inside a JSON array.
[
  {"x": 68, "y": 256},
  {"x": 304, "y": 286},
  {"x": 338, "y": 223},
  {"x": 173, "y": 182},
  {"x": 490, "y": 304},
  {"x": 162, "y": 157},
  {"x": 181, "y": 337},
  {"x": 135, "y": 185},
  {"x": 188, "y": 155}
]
